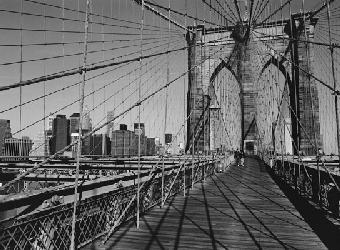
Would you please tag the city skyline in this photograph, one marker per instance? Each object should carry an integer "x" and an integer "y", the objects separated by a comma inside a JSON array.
[
  {"x": 118, "y": 89},
  {"x": 180, "y": 124},
  {"x": 42, "y": 143}
]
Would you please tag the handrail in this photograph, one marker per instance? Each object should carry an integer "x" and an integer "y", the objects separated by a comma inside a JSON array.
[
  {"x": 314, "y": 184},
  {"x": 106, "y": 210}
]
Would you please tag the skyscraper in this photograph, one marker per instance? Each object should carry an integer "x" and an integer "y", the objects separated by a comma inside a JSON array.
[
  {"x": 60, "y": 133},
  {"x": 109, "y": 127},
  {"x": 48, "y": 134},
  {"x": 158, "y": 141},
  {"x": 168, "y": 138},
  {"x": 50, "y": 122},
  {"x": 41, "y": 144},
  {"x": 17, "y": 147},
  {"x": 87, "y": 122},
  {"x": 5, "y": 133},
  {"x": 150, "y": 146},
  {"x": 142, "y": 128},
  {"x": 99, "y": 144},
  {"x": 74, "y": 123}
]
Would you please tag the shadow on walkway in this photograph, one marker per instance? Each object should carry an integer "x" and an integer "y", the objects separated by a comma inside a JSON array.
[{"x": 242, "y": 208}]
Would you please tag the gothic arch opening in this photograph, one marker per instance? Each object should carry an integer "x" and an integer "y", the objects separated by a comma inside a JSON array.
[
  {"x": 274, "y": 108},
  {"x": 226, "y": 117}
]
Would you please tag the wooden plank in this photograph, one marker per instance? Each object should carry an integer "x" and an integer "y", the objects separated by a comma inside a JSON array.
[{"x": 241, "y": 209}]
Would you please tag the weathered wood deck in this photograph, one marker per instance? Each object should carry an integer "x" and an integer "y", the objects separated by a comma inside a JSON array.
[{"x": 240, "y": 209}]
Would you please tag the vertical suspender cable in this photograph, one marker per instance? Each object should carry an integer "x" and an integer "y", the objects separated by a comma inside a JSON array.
[
  {"x": 309, "y": 85},
  {"x": 280, "y": 108},
  {"x": 78, "y": 12},
  {"x": 184, "y": 103},
  {"x": 166, "y": 97},
  {"x": 202, "y": 69},
  {"x": 312, "y": 104},
  {"x": 164, "y": 131},
  {"x": 104, "y": 149},
  {"x": 194, "y": 106},
  {"x": 203, "y": 101},
  {"x": 20, "y": 73},
  {"x": 334, "y": 79},
  {"x": 81, "y": 107},
  {"x": 292, "y": 144},
  {"x": 167, "y": 72},
  {"x": 297, "y": 134},
  {"x": 139, "y": 111},
  {"x": 159, "y": 106},
  {"x": 184, "y": 109},
  {"x": 87, "y": 111},
  {"x": 45, "y": 152},
  {"x": 285, "y": 79},
  {"x": 209, "y": 54},
  {"x": 63, "y": 33},
  {"x": 184, "y": 93}
]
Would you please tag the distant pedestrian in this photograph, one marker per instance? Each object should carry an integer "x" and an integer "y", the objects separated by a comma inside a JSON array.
[{"x": 242, "y": 159}]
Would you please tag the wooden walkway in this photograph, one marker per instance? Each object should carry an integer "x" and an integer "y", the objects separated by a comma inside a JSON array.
[{"x": 240, "y": 209}]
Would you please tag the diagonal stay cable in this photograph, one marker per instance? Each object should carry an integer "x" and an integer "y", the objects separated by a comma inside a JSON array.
[
  {"x": 89, "y": 68},
  {"x": 273, "y": 13},
  {"x": 76, "y": 54},
  {"x": 238, "y": 10},
  {"x": 299, "y": 121},
  {"x": 92, "y": 14},
  {"x": 78, "y": 20},
  {"x": 216, "y": 11},
  {"x": 179, "y": 13},
  {"x": 75, "y": 101},
  {"x": 282, "y": 37},
  {"x": 66, "y": 87},
  {"x": 262, "y": 8},
  {"x": 75, "y": 42},
  {"x": 167, "y": 18},
  {"x": 78, "y": 71},
  {"x": 138, "y": 103},
  {"x": 227, "y": 13},
  {"x": 296, "y": 66}
]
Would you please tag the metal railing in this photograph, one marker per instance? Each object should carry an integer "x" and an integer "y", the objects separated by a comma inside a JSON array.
[
  {"x": 100, "y": 215},
  {"x": 315, "y": 182}
]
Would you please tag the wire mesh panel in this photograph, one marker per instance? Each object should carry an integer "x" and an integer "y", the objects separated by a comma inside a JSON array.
[
  {"x": 310, "y": 182},
  {"x": 51, "y": 228}
]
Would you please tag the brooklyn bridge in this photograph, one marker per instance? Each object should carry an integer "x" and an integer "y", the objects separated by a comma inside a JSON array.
[{"x": 170, "y": 124}]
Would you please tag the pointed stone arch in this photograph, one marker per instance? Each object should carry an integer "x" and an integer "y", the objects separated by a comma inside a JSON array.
[{"x": 293, "y": 103}]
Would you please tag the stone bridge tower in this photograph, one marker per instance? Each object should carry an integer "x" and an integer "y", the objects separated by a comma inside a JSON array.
[{"x": 246, "y": 54}]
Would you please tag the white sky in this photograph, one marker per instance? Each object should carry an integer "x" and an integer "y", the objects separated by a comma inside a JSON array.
[{"x": 152, "y": 112}]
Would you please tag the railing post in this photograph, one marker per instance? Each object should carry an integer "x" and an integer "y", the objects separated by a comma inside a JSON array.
[
  {"x": 334, "y": 75},
  {"x": 192, "y": 174},
  {"x": 162, "y": 203},
  {"x": 284, "y": 170},
  {"x": 293, "y": 176},
  {"x": 315, "y": 186},
  {"x": 299, "y": 177},
  {"x": 204, "y": 170},
  {"x": 184, "y": 171},
  {"x": 319, "y": 178}
]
